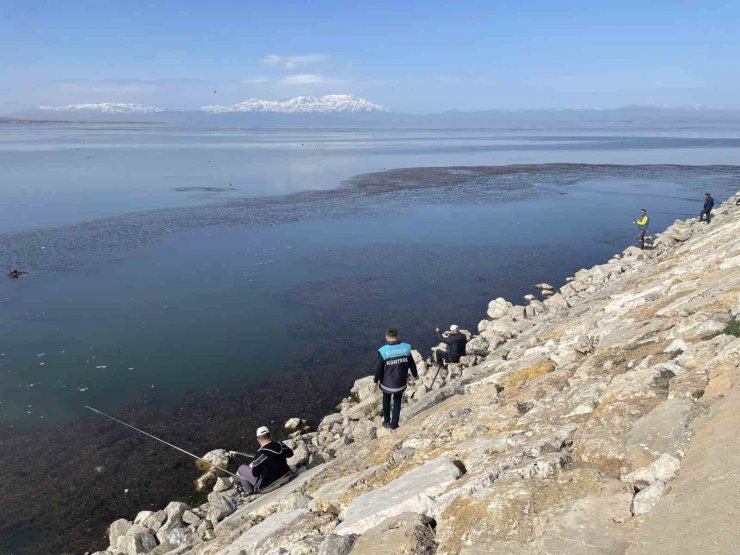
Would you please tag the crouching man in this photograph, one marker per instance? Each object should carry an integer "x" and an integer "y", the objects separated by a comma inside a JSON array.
[
  {"x": 391, "y": 375},
  {"x": 269, "y": 467}
]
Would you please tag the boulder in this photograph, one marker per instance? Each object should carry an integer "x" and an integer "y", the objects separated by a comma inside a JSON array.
[
  {"x": 665, "y": 468},
  {"x": 337, "y": 545},
  {"x": 664, "y": 430},
  {"x": 154, "y": 521},
  {"x": 364, "y": 388},
  {"x": 329, "y": 420},
  {"x": 414, "y": 491},
  {"x": 407, "y": 533},
  {"x": 222, "y": 484},
  {"x": 136, "y": 541},
  {"x": 117, "y": 530},
  {"x": 597, "y": 525},
  {"x": 477, "y": 346},
  {"x": 300, "y": 455},
  {"x": 364, "y": 409},
  {"x": 498, "y": 308},
  {"x": 646, "y": 499},
  {"x": 363, "y": 430},
  {"x": 293, "y": 424},
  {"x": 189, "y": 517},
  {"x": 219, "y": 507},
  {"x": 217, "y": 457},
  {"x": 275, "y": 525}
]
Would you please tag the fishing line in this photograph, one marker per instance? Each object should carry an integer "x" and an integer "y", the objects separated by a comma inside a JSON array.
[{"x": 162, "y": 441}]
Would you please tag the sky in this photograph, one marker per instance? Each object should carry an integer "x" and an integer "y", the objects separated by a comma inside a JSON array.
[{"x": 411, "y": 56}]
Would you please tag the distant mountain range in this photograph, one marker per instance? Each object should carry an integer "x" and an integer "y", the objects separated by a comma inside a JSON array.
[
  {"x": 328, "y": 104},
  {"x": 103, "y": 108},
  {"x": 346, "y": 109}
]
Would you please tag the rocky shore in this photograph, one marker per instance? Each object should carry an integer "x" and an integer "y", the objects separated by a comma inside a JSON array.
[{"x": 602, "y": 419}]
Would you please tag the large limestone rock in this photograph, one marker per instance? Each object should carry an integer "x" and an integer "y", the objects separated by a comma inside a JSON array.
[
  {"x": 255, "y": 537},
  {"x": 664, "y": 430},
  {"x": 414, "y": 491},
  {"x": 365, "y": 409},
  {"x": 172, "y": 530},
  {"x": 404, "y": 534}
]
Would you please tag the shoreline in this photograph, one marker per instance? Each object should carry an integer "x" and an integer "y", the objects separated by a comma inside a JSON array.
[{"x": 492, "y": 363}]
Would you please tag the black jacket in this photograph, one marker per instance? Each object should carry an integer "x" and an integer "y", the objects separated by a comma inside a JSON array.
[
  {"x": 455, "y": 345},
  {"x": 393, "y": 366},
  {"x": 708, "y": 204},
  {"x": 270, "y": 464}
]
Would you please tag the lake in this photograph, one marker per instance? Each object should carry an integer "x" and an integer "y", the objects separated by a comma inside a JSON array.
[{"x": 202, "y": 282}]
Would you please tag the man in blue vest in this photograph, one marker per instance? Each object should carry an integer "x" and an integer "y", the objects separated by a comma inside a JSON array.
[
  {"x": 706, "y": 212},
  {"x": 391, "y": 375}
]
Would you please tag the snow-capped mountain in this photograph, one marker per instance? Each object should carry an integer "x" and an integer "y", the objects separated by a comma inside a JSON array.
[
  {"x": 328, "y": 104},
  {"x": 103, "y": 108}
]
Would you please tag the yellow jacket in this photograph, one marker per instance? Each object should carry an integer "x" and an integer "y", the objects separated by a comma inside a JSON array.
[{"x": 642, "y": 222}]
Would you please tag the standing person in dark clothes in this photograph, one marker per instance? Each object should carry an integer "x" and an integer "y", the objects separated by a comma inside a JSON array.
[
  {"x": 455, "y": 341},
  {"x": 391, "y": 375},
  {"x": 707, "y": 210},
  {"x": 642, "y": 223},
  {"x": 269, "y": 465}
]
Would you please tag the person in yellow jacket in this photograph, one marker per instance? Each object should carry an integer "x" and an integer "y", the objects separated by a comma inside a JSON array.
[{"x": 642, "y": 223}]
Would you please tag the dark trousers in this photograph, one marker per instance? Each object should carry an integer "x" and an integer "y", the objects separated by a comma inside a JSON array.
[
  {"x": 387, "y": 417},
  {"x": 641, "y": 238},
  {"x": 441, "y": 358},
  {"x": 707, "y": 213}
]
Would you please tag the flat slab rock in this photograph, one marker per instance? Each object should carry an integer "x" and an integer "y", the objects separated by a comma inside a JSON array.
[
  {"x": 256, "y": 536},
  {"x": 407, "y": 534},
  {"x": 414, "y": 492}
]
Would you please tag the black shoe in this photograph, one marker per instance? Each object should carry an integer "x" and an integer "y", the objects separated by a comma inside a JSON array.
[{"x": 387, "y": 425}]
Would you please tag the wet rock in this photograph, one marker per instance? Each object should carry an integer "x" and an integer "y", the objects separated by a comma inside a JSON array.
[
  {"x": 413, "y": 492},
  {"x": 407, "y": 533}
]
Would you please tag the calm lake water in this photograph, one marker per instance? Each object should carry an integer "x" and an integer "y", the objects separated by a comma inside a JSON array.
[{"x": 200, "y": 314}]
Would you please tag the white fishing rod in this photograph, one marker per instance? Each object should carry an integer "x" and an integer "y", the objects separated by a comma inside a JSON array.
[{"x": 166, "y": 442}]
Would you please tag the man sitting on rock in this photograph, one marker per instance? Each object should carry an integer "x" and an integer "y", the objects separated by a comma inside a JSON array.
[
  {"x": 455, "y": 341},
  {"x": 391, "y": 375},
  {"x": 268, "y": 467}
]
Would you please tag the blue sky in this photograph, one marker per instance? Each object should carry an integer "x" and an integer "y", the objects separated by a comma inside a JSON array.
[{"x": 411, "y": 56}]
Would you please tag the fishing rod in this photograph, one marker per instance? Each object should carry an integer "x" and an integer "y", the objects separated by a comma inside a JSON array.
[{"x": 163, "y": 441}]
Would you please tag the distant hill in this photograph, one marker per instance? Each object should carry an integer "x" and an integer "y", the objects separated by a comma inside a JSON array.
[{"x": 349, "y": 110}]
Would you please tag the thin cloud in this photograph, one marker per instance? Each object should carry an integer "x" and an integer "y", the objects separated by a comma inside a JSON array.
[
  {"x": 309, "y": 79},
  {"x": 254, "y": 81},
  {"x": 293, "y": 62}
]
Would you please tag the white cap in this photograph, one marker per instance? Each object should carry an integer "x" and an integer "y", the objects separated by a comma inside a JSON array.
[
  {"x": 454, "y": 327},
  {"x": 262, "y": 431}
]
